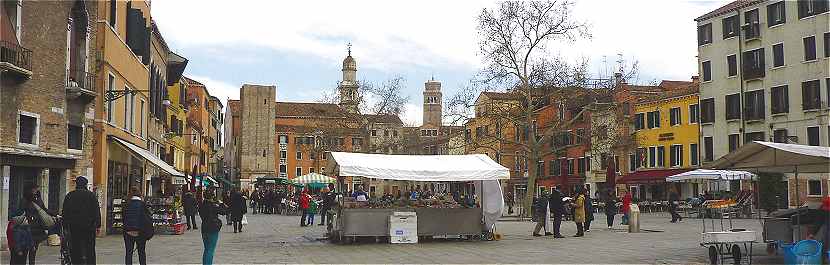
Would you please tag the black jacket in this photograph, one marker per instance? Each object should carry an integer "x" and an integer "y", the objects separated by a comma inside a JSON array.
[
  {"x": 134, "y": 215},
  {"x": 209, "y": 212},
  {"x": 556, "y": 202},
  {"x": 328, "y": 200},
  {"x": 237, "y": 204},
  {"x": 189, "y": 203},
  {"x": 81, "y": 211}
]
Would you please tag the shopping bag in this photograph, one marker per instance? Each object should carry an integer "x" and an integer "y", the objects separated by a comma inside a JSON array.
[
  {"x": 244, "y": 220},
  {"x": 53, "y": 240}
]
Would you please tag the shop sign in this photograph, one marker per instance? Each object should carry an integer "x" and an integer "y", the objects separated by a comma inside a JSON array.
[{"x": 665, "y": 137}]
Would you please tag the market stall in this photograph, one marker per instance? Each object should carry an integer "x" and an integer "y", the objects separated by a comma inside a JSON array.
[
  {"x": 436, "y": 215},
  {"x": 787, "y": 226},
  {"x": 313, "y": 180}
]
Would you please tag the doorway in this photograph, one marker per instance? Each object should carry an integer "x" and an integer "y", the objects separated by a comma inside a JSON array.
[{"x": 20, "y": 177}]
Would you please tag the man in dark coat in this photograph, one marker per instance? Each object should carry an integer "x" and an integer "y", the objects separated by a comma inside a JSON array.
[
  {"x": 589, "y": 208},
  {"x": 189, "y": 203},
  {"x": 238, "y": 210},
  {"x": 328, "y": 201},
  {"x": 82, "y": 216},
  {"x": 557, "y": 208}
]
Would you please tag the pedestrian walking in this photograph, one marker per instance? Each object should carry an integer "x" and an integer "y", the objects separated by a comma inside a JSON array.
[
  {"x": 209, "y": 212},
  {"x": 558, "y": 209},
  {"x": 579, "y": 212},
  {"x": 30, "y": 218},
  {"x": 626, "y": 207},
  {"x": 328, "y": 201},
  {"x": 312, "y": 211},
  {"x": 254, "y": 200},
  {"x": 82, "y": 217},
  {"x": 238, "y": 210},
  {"x": 589, "y": 208},
  {"x": 304, "y": 204},
  {"x": 226, "y": 200},
  {"x": 610, "y": 208},
  {"x": 189, "y": 203},
  {"x": 138, "y": 227},
  {"x": 540, "y": 214},
  {"x": 674, "y": 203}
]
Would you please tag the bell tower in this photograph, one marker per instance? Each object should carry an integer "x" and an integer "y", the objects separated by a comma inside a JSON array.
[
  {"x": 348, "y": 86},
  {"x": 432, "y": 104}
]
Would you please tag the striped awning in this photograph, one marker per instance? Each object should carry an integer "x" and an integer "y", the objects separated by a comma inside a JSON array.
[{"x": 313, "y": 178}]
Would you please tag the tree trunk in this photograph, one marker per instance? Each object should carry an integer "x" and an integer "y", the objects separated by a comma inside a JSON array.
[{"x": 531, "y": 181}]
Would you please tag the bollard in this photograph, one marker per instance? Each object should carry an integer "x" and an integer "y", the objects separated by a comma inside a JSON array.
[{"x": 634, "y": 219}]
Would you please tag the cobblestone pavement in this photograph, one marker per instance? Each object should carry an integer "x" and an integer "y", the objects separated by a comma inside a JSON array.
[{"x": 280, "y": 239}]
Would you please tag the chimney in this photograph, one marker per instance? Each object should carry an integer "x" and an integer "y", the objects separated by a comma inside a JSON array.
[{"x": 618, "y": 79}]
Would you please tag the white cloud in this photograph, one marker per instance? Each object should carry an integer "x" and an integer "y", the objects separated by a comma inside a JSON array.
[
  {"x": 412, "y": 115},
  {"x": 219, "y": 89}
]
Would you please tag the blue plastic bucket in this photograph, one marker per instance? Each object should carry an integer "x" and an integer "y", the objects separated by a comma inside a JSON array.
[
  {"x": 787, "y": 251},
  {"x": 806, "y": 252}
]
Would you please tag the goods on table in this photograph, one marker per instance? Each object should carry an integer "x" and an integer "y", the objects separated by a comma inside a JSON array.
[
  {"x": 167, "y": 215},
  {"x": 435, "y": 201},
  {"x": 717, "y": 204}
]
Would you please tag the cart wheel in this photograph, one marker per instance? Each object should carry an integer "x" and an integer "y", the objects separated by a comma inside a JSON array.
[
  {"x": 713, "y": 255},
  {"x": 772, "y": 249},
  {"x": 736, "y": 254}
]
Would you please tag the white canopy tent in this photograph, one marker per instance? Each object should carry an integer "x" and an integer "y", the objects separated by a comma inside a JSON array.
[
  {"x": 777, "y": 157},
  {"x": 698, "y": 175},
  {"x": 430, "y": 168}
]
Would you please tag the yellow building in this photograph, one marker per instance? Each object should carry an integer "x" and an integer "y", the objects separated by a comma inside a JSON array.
[{"x": 668, "y": 142}]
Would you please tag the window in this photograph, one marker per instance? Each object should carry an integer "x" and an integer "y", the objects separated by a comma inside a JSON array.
[
  {"x": 707, "y": 70},
  {"x": 555, "y": 168},
  {"x": 694, "y": 113},
  {"x": 704, "y": 34},
  {"x": 780, "y": 100},
  {"x": 753, "y": 64},
  {"x": 110, "y": 106},
  {"x": 652, "y": 156},
  {"x": 653, "y": 119},
  {"x": 694, "y": 155},
  {"x": 571, "y": 167},
  {"x": 754, "y": 101},
  {"x": 113, "y": 13},
  {"x": 75, "y": 137},
  {"x": 734, "y": 142},
  {"x": 814, "y": 187},
  {"x": 754, "y": 29},
  {"x": 283, "y": 154},
  {"x": 827, "y": 44},
  {"x": 141, "y": 118},
  {"x": 732, "y": 64},
  {"x": 580, "y": 134},
  {"x": 357, "y": 143},
  {"x": 779, "y": 135},
  {"x": 808, "y": 8},
  {"x": 632, "y": 162},
  {"x": 778, "y": 55},
  {"x": 299, "y": 155},
  {"x": 639, "y": 121},
  {"x": 283, "y": 139},
  {"x": 674, "y": 116},
  {"x": 641, "y": 157},
  {"x": 707, "y": 112},
  {"x": 676, "y": 155},
  {"x": 386, "y": 133},
  {"x": 128, "y": 114},
  {"x": 812, "y": 136},
  {"x": 810, "y": 95},
  {"x": 776, "y": 14},
  {"x": 733, "y": 106},
  {"x": 809, "y": 48},
  {"x": 283, "y": 170},
  {"x": 661, "y": 156},
  {"x": 298, "y": 172},
  {"x": 754, "y": 136},
  {"x": 322, "y": 170},
  {"x": 28, "y": 126},
  {"x": 731, "y": 27},
  {"x": 375, "y": 132},
  {"x": 311, "y": 170},
  {"x": 709, "y": 149}
]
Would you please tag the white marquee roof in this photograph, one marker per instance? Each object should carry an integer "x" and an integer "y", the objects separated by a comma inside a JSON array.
[
  {"x": 418, "y": 167},
  {"x": 777, "y": 157},
  {"x": 709, "y": 174}
]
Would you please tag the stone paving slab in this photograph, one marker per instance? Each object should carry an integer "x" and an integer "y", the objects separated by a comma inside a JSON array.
[{"x": 280, "y": 239}]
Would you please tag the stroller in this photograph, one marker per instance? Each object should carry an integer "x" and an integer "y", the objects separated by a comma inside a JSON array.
[{"x": 65, "y": 238}]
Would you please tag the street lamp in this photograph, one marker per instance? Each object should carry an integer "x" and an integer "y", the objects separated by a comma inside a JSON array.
[{"x": 113, "y": 94}]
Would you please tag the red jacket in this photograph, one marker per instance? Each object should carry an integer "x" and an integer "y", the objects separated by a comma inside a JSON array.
[
  {"x": 304, "y": 198},
  {"x": 9, "y": 235},
  {"x": 626, "y": 203}
]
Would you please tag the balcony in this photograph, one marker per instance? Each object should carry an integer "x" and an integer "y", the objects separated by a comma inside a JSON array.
[
  {"x": 80, "y": 85},
  {"x": 15, "y": 59}
]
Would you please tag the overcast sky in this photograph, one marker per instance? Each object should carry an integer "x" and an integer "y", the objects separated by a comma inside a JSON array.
[{"x": 299, "y": 45}]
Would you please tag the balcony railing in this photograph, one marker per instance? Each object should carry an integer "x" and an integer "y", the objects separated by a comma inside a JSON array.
[
  {"x": 16, "y": 57},
  {"x": 80, "y": 84}
]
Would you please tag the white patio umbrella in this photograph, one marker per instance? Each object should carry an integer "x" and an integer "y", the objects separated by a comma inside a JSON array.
[{"x": 700, "y": 175}]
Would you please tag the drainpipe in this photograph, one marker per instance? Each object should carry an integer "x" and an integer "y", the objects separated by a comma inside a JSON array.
[{"x": 739, "y": 65}]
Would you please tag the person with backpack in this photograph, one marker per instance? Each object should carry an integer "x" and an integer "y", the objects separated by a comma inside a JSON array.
[
  {"x": 82, "y": 217},
  {"x": 31, "y": 223},
  {"x": 138, "y": 227},
  {"x": 19, "y": 239}
]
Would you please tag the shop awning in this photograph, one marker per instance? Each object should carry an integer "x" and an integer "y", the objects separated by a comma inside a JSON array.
[
  {"x": 150, "y": 157},
  {"x": 418, "y": 167},
  {"x": 699, "y": 175},
  {"x": 649, "y": 176},
  {"x": 777, "y": 157},
  {"x": 313, "y": 178},
  {"x": 224, "y": 180}
]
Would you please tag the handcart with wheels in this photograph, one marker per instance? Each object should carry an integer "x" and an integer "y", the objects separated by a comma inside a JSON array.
[{"x": 723, "y": 241}]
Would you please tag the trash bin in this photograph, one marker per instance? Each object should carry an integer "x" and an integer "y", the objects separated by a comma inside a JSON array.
[
  {"x": 634, "y": 219},
  {"x": 805, "y": 252}
]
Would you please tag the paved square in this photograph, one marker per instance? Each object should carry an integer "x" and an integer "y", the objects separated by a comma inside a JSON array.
[{"x": 280, "y": 239}]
